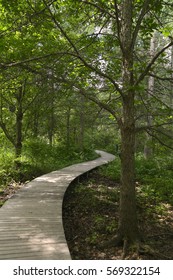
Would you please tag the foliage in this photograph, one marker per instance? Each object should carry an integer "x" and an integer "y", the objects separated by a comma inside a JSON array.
[
  {"x": 112, "y": 170},
  {"x": 154, "y": 177},
  {"x": 38, "y": 158}
]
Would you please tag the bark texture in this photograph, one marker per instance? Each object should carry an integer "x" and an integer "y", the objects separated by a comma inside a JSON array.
[
  {"x": 128, "y": 227},
  {"x": 148, "y": 151},
  {"x": 19, "y": 122}
]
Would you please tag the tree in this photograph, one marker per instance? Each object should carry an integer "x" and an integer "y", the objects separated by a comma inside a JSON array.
[
  {"x": 150, "y": 92},
  {"x": 123, "y": 25}
]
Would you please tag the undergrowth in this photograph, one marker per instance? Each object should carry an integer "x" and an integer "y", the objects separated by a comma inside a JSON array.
[
  {"x": 38, "y": 158},
  {"x": 154, "y": 177}
]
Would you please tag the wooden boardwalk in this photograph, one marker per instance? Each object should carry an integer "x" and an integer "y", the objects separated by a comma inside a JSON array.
[{"x": 31, "y": 226}]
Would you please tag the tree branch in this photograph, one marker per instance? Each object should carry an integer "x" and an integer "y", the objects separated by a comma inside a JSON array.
[
  {"x": 3, "y": 126},
  {"x": 118, "y": 23},
  {"x": 146, "y": 127},
  {"x": 144, "y": 11},
  {"x": 151, "y": 63},
  {"x": 78, "y": 55},
  {"x": 161, "y": 78},
  {"x": 100, "y": 103},
  {"x": 163, "y": 133},
  {"x": 99, "y": 8},
  {"x": 160, "y": 141}
]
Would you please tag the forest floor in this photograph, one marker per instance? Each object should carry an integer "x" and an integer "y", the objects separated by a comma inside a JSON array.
[
  {"x": 90, "y": 214},
  {"x": 9, "y": 191}
]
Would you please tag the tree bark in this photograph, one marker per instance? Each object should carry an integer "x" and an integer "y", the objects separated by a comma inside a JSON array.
[
  {"x": 19, "y": 119},
  {"x": 82, "y": 122},
  {"x": 51, "y": 115},
  {"x": 171, "y": 93},
  {"x": 148, "y": 151},
  {"x": 35, "y": 126},
  {"x": 128, "y": 226},
  {"x": 51, "y": 125},
  {"x": 68, "y": 128}
]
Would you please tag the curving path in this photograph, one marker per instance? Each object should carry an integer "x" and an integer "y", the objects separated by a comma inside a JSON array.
[{"x": 31, "y": 226}]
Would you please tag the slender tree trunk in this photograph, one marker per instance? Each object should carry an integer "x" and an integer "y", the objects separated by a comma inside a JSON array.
[
  {"x": 51, "y": 117},
  {"x": 148, "y": 151},
  {"x": 3, "y": 126},
  {"x": 51, "y": 127},
  {"x": 171, "y": 94},
  {"x": 82, "y": 122},
  {"x": 35, "y": 126},
  {"x": 128, "y": 226},
  {"x": 68, "y": 129},
  {"x": 171, "y": 97},
  {"x": 19, "y": 119},
  {"x": 18, "y": 146}
]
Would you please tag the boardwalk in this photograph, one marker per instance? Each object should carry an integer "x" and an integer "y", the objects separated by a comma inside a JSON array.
[{"x": 31, "y": 225}]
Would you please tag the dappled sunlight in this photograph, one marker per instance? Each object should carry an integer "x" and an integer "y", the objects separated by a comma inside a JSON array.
[
  {"x": 54, "y": 179},
  {"x": 50, "y": 243}
]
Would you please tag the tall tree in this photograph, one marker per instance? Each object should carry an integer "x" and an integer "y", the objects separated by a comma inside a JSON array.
[{"x": 110, "y": 53}]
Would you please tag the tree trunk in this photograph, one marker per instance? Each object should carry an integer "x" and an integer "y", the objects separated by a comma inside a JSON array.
[
  {"x": 35, "y": 126},
  {"x": 82, "y": 122},
  {"x": 51, "y": 117},
  {"x": 18, "y": 146},
  {"x": 19, "y": 119},
  {"x": 148, "y": 151},
  {"x": 171, "y": 93},
  {"x": 51, "y": 127},
  {"x": 68, "y": 144},
  {"x": 128, "y": 226}
]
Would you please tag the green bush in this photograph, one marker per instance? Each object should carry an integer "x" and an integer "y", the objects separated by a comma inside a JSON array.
[
  {"x": 156, "y": 177},
  {"x": 112, "y": 170},
  {"x": 38, "y": 158}
]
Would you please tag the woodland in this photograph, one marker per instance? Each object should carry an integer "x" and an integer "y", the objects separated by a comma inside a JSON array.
[{"x": 76, "y": 76}]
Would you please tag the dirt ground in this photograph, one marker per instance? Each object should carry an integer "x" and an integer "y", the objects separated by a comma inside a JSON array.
[
  {"x": 90, "y": 215},
  {"x": 9, "y": 191}
]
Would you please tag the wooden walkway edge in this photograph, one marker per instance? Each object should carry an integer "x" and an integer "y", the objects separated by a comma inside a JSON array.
[{"x": 31, "y": 226}]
